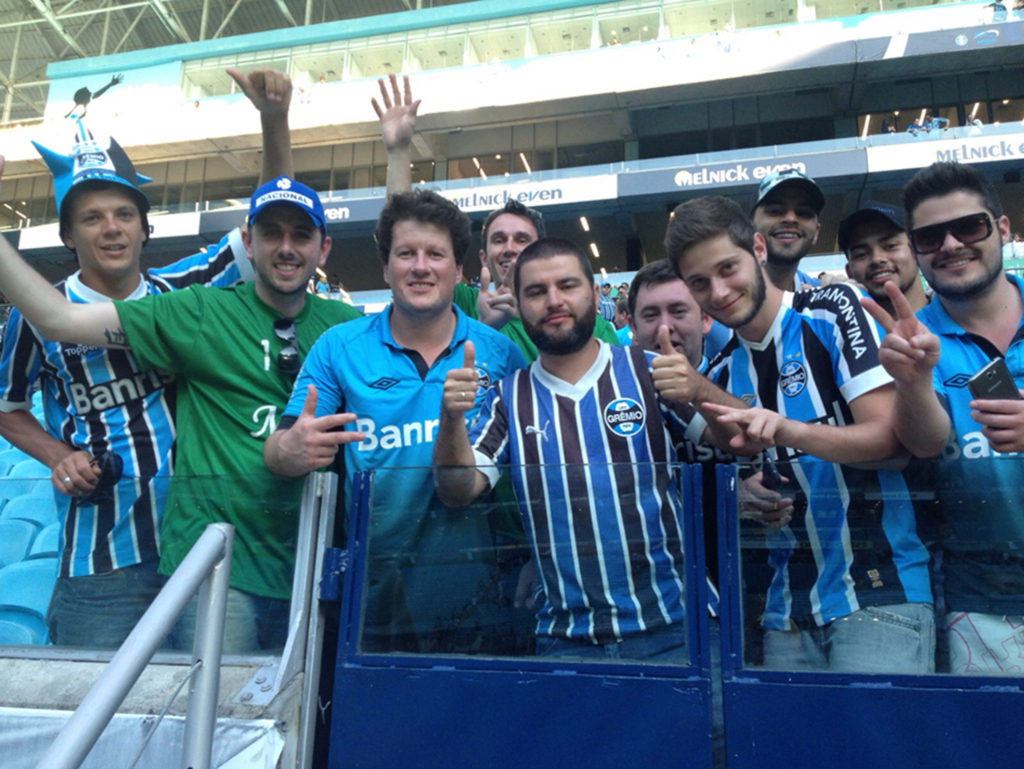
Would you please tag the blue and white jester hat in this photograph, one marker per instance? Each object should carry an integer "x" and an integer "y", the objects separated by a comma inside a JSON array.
[{"x": 93, "y": 160}]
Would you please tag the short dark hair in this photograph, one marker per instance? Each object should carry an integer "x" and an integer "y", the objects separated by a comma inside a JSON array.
[
  {"x": 940, "y": 179},
  {"x": 424, "y": 206},
  {"x": 653, "y": 274},
  {"x": 622, "y": 304},
  {"x": 547, "y": 248},
  {"x": 516, "y": 208},
  {"x": 67, "y": 205},
  {"x": 701, "y": 219}
]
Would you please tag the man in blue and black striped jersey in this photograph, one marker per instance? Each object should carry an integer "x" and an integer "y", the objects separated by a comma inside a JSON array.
[
  {"x": 850, "y": 590},
  {"x": 589, "y": 431},
  {"x": 100, "y": 400},
  {"x": 976, "y": 317}
]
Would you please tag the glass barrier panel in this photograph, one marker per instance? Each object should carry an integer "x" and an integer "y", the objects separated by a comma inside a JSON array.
[
  {"x": 910, "y": 569},
  {"x": 551, "y": 563},
  {"x": 79, "y": 572}
]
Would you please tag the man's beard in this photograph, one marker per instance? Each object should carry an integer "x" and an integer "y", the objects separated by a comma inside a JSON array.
[
  {"x": 575, "y": 339},
  {"x": 757, "y": 300}
]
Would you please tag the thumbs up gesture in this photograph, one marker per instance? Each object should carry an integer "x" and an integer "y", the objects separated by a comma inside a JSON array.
[
  {"x": 674, "y": 376},
  {"x": 460, "y": 385}
]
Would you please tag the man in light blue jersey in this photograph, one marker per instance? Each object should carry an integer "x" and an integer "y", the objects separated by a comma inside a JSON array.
[
  {"x": 850, "y": 590},
  {"x": 388, "y": 370},
  {"x": 976, "y": 316},
  {"x": 589, "y": 432},
  {"x": 97, "y": 400}
]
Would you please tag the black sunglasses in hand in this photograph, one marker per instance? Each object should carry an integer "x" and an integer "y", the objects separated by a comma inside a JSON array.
[
  {"x": 288, "y": 360},
  {"x": 111, "y": 467}
]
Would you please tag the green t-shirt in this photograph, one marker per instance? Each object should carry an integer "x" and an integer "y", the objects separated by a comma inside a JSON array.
[
  {"x": 230, "y": 394},
  {"x": 514, "y": 330},
  {"x": 465, "y": 299}
]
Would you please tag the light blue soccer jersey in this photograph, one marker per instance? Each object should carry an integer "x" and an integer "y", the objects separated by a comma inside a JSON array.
[
  {"x": 847, "y": 547},
  {"x": 978, "y": 489},
  {"x": 98, "y": 400}
]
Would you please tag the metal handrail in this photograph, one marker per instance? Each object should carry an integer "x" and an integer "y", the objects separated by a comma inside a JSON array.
[{"x": 206, "y": 568}]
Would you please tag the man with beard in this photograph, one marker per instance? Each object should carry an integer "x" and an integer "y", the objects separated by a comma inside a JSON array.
[
  {"x": 957, "y": 229},
  {"x": 588, "y": 431},
  {"x": 808, "y": 364},
  {"x": 388, "y": 370},
  {"x": 878, "y": 251},
  {"x": 785, "y": 213}
]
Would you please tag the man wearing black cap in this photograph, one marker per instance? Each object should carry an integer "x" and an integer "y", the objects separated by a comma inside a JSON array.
[
  {"x": 102, "y": 403},
  {"x": 877, "y": 250},
  {"x": 236, "y": 352},
  {"x": 785, "y": 212}
]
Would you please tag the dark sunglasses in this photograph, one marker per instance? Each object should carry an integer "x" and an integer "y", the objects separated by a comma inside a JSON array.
[
  {"x": 967, "y": 229},
  {"x": 111, "y": 467},
  {"x": 288, "y": 360}
]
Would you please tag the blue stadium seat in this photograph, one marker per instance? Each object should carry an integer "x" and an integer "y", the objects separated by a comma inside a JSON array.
[
  {"x": 12, "y": 456},
  {"x": 14, "y": 634},
  {"x": 16, "y": 538},
  {"x": 25, "y": 590},
  {"x": 37, "y": 508},
  {"x": 24, "y": 478},
  {"x": 47, "y": 543}
]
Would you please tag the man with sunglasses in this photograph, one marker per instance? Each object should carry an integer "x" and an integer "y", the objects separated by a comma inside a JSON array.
[
  {"x": 957, "y": 229},
  {"x": 109, "y": 421}
]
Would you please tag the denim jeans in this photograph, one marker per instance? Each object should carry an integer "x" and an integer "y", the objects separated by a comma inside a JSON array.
[
  {"x": 880, "y": 639},
  {"x": 98, "y": 611},
  {"x": 666, "y": 644},
  {"x": 251, "y": 623}
]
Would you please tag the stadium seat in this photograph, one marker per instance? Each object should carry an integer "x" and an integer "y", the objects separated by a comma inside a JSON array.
[
  {"x": 12, "y": 457},
  {"x": 13, "y": 634},
  {"x": 36, "y": 508},
  {"x": 16, "y": 538},
  {"x": 24, "y": 478},
  {"x": 25, "y": 590},
  {"x": 46, "y": 544}
]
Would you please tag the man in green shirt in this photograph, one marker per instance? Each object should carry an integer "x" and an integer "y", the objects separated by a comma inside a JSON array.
[{"x": 236, "y": 352}]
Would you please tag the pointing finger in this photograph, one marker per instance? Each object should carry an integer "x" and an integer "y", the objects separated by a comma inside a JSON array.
[{"x": 485, "y": 278}]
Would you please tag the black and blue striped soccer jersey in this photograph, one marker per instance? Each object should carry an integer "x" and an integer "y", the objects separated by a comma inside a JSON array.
[
  {"x": 853, "y": 540},
  {"x": 592, "y": 470},
  {"x": 98, "y": 400}
]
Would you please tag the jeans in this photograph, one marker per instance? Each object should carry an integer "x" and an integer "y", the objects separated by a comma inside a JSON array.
[
  {"x": 665, "y": 644},
  {"x": 880, "y": 639},
  {"x": 251, "y": 623},
  {"x": 98, "y": 611}
]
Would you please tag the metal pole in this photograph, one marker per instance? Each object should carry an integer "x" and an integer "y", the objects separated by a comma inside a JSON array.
[
  {"x": 87, "y": 723},
  {"x": 202, "y": 698}
]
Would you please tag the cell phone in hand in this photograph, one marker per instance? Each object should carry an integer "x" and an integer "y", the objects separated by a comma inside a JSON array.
[
  {"x": 770, "y": 477},
  {"x": 994, "y": 382}
]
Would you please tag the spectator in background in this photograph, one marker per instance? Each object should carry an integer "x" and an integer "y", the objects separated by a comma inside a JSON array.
[
  {"x": 786, "y": 209},
  {"x": 877, "y": 251},
  {"x": 606, "y": 304}
]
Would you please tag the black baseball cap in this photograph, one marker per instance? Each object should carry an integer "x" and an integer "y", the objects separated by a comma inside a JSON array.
[{"x": 867, "y": 212}]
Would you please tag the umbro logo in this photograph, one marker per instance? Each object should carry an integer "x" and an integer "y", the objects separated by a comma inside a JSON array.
[
  {"x": 957, "y": 380},
  {"x": 384, "y": 383}
]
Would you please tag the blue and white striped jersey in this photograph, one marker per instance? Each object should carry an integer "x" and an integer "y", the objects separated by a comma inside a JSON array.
[
  {"x": 848, "y": 546},
  {"x": 592, "y": 470},
  {"x": 98, "y": 400}
]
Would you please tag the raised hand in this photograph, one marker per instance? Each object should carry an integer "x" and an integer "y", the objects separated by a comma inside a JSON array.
[
  {"x": 460, "y": 385},
  {"x": 269, "y": 90},
  {"x": 673, "y": 374},
  {"x": 398, "y": 117},
  {"x": 496, "y": 308},
  {"x": 312, "y": 442},
  {"x": 909, "y": 351}
]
